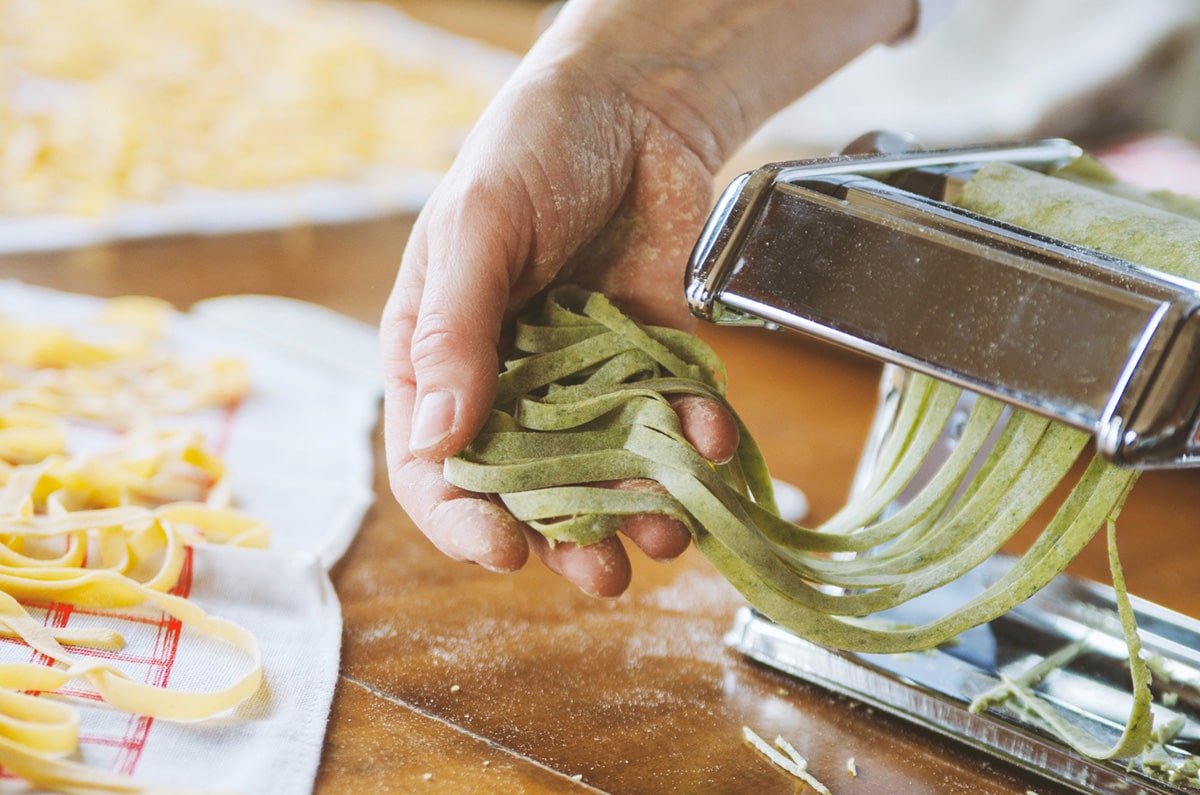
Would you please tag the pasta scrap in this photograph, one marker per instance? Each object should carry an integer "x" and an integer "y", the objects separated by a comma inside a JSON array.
[{"x": 787, "y": 758}]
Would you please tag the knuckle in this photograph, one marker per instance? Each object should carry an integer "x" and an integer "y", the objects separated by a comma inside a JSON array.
[{"x": 437, "y": 344}]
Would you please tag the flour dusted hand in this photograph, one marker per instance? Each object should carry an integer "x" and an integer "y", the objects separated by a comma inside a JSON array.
[{"x": 594, "y": 165}]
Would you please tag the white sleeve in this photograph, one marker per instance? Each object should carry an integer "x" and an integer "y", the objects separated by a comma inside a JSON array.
[{"x": 929, "y": 14}]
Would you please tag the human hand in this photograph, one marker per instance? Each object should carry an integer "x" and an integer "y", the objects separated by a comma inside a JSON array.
[{"x": 594, "y": 165}]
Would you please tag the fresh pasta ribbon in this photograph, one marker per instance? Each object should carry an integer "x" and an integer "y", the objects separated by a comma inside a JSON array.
[
  {"x": 584, "y": 399},
  {"x": 597, "y": 408},
  {"x": 108, "y": 528}
]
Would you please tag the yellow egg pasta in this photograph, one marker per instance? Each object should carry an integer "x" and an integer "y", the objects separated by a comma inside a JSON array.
[
  {"x": 105, "y": 528},
  {"x": 132, "y": 101}
]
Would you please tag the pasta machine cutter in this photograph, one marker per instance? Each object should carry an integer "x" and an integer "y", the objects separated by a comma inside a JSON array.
[{"x": 863, "y": 249}]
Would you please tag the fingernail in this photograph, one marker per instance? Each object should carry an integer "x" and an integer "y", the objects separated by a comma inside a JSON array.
[{"x": 432, "y": 421}]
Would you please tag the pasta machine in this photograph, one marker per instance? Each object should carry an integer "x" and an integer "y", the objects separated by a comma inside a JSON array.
[{"x": 864, "y": 250}]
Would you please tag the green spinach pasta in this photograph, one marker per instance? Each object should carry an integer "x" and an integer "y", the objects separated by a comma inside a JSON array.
[{"x": 585, "y": 399}]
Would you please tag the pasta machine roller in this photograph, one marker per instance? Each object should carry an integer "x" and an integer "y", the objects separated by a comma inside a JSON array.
[
  {"x": 865, "y": 250},
  {"x": 861, "y": 250}
]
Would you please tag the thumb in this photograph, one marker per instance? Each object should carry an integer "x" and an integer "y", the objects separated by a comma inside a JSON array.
[{"x": 459, "y": 308}]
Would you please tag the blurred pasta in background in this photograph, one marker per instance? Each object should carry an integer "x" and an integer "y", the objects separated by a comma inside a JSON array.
[{"x": 128, "y": 100}]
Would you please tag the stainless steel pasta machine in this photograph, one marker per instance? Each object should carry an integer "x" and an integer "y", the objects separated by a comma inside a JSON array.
[{"x": 865, "y": 250}]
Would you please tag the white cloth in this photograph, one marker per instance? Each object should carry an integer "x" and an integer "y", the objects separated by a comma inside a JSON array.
[
  {"x": 305, "y": 427},
  {"x": 299, "y": 456},
  {"x": 271, "y": 744}
]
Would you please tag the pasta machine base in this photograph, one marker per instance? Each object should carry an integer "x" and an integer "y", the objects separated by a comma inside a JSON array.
[{"x": 934, "y": 689}]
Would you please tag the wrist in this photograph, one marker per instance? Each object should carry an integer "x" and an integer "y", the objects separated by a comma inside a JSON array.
[{"x": 715, "y": 70}]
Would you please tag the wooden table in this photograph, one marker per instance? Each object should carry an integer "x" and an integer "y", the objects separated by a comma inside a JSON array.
[{"x": 458, "y": 680}]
